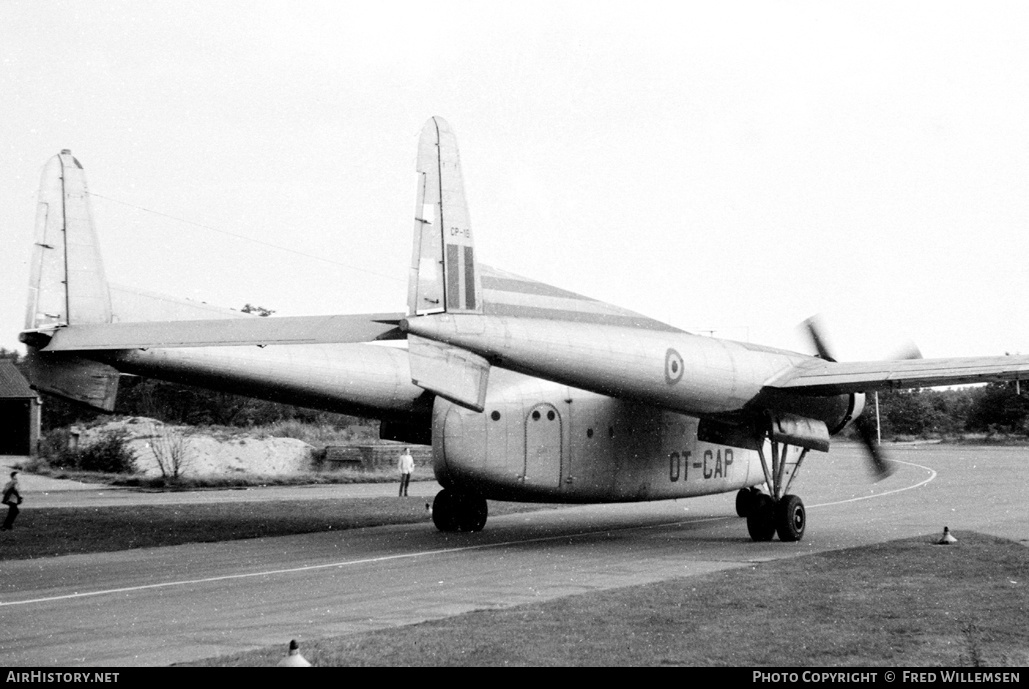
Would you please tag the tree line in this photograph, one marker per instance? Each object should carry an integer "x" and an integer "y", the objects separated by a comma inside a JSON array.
[{"x": 992, "y": 409}]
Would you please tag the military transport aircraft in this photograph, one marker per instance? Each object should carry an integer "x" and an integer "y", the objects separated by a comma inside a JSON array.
[{"x": 525, "y": 391}]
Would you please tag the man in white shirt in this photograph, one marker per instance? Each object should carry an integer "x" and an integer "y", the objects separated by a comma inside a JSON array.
[{"x": 406, "y": 466}]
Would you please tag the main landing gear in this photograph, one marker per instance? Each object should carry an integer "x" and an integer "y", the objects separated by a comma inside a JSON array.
[
  {"x": 458, "y": 510},
  {"x": 777, "y": 511}
]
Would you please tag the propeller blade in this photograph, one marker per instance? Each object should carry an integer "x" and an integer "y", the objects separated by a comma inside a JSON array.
[
  {"x": 880, "y": 467},
  {"x": 908, "y": 351},
  {"x": 815, "y": 332},
  {"x": 877, "y": 462}
]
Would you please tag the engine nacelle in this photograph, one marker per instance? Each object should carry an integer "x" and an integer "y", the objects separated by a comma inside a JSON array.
[
  {"x": 835, "y": 411},
  {"x": 857, "y": 407}
]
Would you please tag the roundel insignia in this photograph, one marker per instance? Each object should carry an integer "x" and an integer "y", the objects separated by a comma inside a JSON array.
[{"x": 673, "y": 366}]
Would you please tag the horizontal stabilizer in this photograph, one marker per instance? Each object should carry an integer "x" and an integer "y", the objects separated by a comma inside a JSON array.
[
  {"x": 223, "y": 332},
  {"x": 454, "y": 374},
  {"x": 74, "y": 378}
]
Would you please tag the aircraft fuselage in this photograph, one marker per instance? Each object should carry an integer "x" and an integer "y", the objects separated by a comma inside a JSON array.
[{"x": 542, "y": 441}]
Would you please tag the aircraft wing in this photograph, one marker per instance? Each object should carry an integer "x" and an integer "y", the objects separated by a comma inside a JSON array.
[
  {"x": 221, "y": 332},
  {"x": 820, "y": 377}
]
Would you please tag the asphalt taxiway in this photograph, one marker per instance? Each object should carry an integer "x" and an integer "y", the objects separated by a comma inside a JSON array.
[{"x": 163, "y": 605}]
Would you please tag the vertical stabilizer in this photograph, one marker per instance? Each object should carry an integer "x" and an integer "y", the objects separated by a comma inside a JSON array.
[
  {"x": 443, "y": 276},
  {"x": 67, "y": 283},
  {"x": 67, "y": 286}
]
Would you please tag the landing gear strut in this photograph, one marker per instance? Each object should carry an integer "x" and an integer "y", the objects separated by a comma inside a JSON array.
[
  {"x": 777, "y": 512},
  {"x": 457, "y": 510}
]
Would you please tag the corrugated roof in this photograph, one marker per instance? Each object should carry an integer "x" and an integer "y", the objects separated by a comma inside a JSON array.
[{"x": 13, "y": 383}]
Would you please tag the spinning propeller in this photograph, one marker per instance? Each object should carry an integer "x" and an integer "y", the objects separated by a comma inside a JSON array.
[{"x": 878, "y": 464}]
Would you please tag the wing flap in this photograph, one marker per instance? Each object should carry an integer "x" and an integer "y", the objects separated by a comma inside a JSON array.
[
  {"x": 450, "y": 372},
  {"x": 225, "y": 332},
  {"x": 820, "y": 377}
]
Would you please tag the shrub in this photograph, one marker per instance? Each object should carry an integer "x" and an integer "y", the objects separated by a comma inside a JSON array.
[
  {"x": 54, "y": 446},
  {"x": 170, "y": 451},
  {"x": 110, "y": 453}
]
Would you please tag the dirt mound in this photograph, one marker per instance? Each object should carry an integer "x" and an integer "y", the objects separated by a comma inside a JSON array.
[{"x": 203, "y": 452}]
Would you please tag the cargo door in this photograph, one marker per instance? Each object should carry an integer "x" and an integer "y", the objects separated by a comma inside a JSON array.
[{"x": 543, "y": 446}]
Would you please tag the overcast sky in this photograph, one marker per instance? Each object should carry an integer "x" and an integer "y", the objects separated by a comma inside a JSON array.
[{"x": 731, "y": 167}]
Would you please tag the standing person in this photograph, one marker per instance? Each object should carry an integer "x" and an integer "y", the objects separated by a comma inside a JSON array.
[
  {"x": 406, "y": 466},
  {"x": 12, "y": 498}
]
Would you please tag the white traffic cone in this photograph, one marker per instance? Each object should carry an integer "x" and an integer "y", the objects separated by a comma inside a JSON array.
[
  {"x": 294, "y": 659},
  {"x": 947, "y": 538}
]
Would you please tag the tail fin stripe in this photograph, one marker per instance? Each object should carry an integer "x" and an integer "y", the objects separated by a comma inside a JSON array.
[
  {"x": 453, "y": 300},
  {"x": 469, "y": 278}
]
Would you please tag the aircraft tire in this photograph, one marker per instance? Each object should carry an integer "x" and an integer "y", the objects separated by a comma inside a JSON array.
[
  {"x": 470, "y": 511},
  {"x": 790, "y": 518},
  {"x": 474, "y": 513},
  {"x": 444, "y": 514},
  {"x": 455, "y": 510},
  {"x": 745, "y": 499},
  {"x": 761, "y": 520}
]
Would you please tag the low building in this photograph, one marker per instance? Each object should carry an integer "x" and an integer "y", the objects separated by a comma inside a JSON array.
[{"x": 19, "y": 412}]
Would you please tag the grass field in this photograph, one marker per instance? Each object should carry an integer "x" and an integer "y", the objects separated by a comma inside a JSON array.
[
  {"x": 49, "y": 532},
  {"x": 904, "y": 603}
]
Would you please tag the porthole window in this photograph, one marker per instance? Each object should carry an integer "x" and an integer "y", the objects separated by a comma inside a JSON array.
[
  {"x": 550, "y": 416},
  {"x": 495, "y": 416},
  {"x": 535, "y": 416}
]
